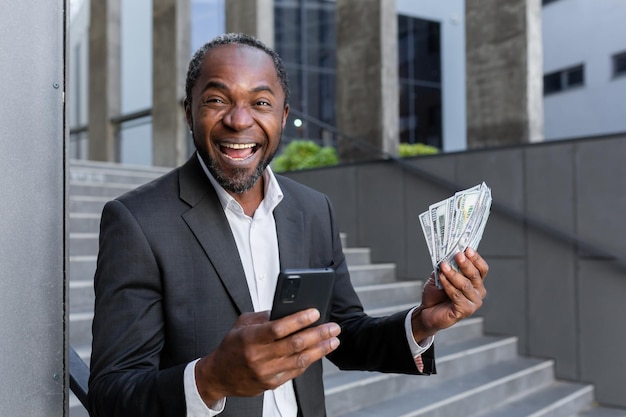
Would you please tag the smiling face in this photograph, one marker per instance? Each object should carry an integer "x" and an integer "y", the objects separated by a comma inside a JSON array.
[{"x": 236, "y": 113}]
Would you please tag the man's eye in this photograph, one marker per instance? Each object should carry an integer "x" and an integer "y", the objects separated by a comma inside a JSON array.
[
  {"x": 214, "y": 100},
  {"x": 263, "y": 103}
]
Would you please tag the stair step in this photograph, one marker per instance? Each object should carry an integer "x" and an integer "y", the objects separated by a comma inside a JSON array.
[
  {"x": 81, "y": 296},
  {"x": 361, "y": 275},
  {"x": 84, "y": 223},
  {"x": 596, "y": 411},
  {"x": 82, "y": 267},
  {"x": 466, "y": 329},
  {"x": 80, "y": 328},
  {"x": 559, "y": 399},
  {"x": 381, "y": 295},
  {"x": 83, "y": 243},
  {"x": 109, "y": 189},
  {"x": 348, "y": 392},
  {"x": 357, "y": 256},
  {"x": 103, "y": 172},
  {"x": 87, "y": 203}
]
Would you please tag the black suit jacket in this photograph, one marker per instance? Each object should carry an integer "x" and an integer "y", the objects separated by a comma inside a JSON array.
[{"x": 169, "y": 285}]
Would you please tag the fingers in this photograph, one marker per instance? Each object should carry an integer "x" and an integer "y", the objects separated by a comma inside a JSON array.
[
  {"x": 314, "y": 342},
  {"x": 258, "y": 354},
  {"x": 291, "y": 355},
  {"x": 297, "y": 352},
  {"x": 478, "y": 262},
  {"x": 466, "y": 287},
  {"x": 293, "y": 323}
]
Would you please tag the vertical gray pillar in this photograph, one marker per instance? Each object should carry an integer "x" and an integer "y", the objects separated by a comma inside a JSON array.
[
  {"x": 504, "y": 72},
  {"x": 104, "y": 78},
  {"x": 171, "y": 51},
  {"x": 367, "y": 77},
  {"x": 253, "y": 17},
  {"x": 33, "y": 145}
]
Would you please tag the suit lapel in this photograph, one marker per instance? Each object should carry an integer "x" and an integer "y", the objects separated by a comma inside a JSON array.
[
  {"x": 292, "y": 241},
  {"x": 207, "y": 221}
]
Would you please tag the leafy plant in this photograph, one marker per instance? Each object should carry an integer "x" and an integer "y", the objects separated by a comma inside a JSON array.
[
  {"x": 416, "y": 149},
  {"x": 302, "y": 154}
]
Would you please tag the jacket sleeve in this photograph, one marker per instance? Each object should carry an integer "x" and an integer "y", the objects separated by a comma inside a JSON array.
[
  {"x": 368, "y": 343},
  {"x": 128, "y": 327}
]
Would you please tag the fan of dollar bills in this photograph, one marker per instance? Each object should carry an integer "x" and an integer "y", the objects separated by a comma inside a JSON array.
[{"x": 454, "y": 224}]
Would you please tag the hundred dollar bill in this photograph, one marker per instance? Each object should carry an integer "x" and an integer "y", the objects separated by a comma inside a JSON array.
[
  {"x": 438, "y": 221},
  {"x": 473, "y": 228},
  {"x": 454, "y": 224},
  {"x": 427, "y": 228}
]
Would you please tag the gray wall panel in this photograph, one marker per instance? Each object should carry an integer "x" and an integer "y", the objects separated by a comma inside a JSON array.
[
  {"x": 32, "y": 202},
  {"x": 601, "y": 185},
  {"x": 550, "y": 182},
  {"x": 552, "y": 303},
  {"x": 504, "y": 307},
  {"x": 603, "y": 329},
  {"x": 381, "y": 211},
  {"x": 552, "y": 297},
  {"x": 416, "y": 262}
]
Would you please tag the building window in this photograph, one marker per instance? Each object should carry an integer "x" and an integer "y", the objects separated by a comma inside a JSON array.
[
  {"x": 619, "y": 64},
  {"x": 305, "y": 38},
  {"x": 564, "y": 79},
  {"x": 419, "y": 68}
]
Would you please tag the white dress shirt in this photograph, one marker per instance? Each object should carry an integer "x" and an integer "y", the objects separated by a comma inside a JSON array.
[{"x": 257, "y": 244}]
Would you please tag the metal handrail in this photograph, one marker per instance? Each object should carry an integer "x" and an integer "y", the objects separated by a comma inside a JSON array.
[{"x": 79, "y": 377}]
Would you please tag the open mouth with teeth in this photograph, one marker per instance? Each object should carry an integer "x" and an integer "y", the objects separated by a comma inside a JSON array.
[{"x": 238, "y": 151}]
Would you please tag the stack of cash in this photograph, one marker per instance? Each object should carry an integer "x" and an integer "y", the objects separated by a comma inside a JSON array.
[{"x": 454, "y": 224}]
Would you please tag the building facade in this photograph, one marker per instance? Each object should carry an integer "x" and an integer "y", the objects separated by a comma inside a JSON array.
[
  {"x": 444, "y": 86},
  {"x": 584, "y": 67},
  {"x": 431, "y": 80}
]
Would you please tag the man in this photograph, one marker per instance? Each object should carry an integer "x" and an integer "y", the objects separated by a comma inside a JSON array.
[{"x": 188, "y": 264}]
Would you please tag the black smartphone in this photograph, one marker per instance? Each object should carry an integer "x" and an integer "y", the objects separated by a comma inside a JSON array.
[{"x": 299, "y": 289}]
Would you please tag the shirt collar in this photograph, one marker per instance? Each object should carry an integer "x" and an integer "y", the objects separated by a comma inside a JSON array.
[{"x": 271, "y": 197}]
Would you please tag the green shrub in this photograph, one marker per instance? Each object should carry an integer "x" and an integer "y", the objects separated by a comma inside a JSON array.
[
  {"x": 302, "y": 154},
  {"x": 415, "y": 149}
]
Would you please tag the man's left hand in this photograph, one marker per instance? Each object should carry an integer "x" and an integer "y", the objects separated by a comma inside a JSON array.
[{"x": 461, "y": 295}]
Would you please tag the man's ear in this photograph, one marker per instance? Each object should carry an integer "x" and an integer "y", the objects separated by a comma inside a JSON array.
[
  {"x": 285, "y": 114},
  {"x": 188, "y": 116}
]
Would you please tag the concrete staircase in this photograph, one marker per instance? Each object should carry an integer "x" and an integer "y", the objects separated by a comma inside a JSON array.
[{"x": 478, "y": 375}]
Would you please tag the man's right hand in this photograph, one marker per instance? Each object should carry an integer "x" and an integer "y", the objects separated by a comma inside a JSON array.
[{"x": 258, "y": 355}]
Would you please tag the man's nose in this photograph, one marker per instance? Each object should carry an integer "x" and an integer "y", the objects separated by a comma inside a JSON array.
[{"x": 238, "y": 117}]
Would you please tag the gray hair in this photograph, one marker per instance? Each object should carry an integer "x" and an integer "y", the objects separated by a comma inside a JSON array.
[{"x": 228, "y": 39}]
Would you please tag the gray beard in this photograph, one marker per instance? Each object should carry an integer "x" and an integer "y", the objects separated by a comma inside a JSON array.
[{"x": 241, "y": 181}]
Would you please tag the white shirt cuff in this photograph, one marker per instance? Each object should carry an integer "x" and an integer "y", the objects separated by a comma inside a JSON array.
[
  {"x": 423, "y": 345},
  {"x": 195, "y": 405}
]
